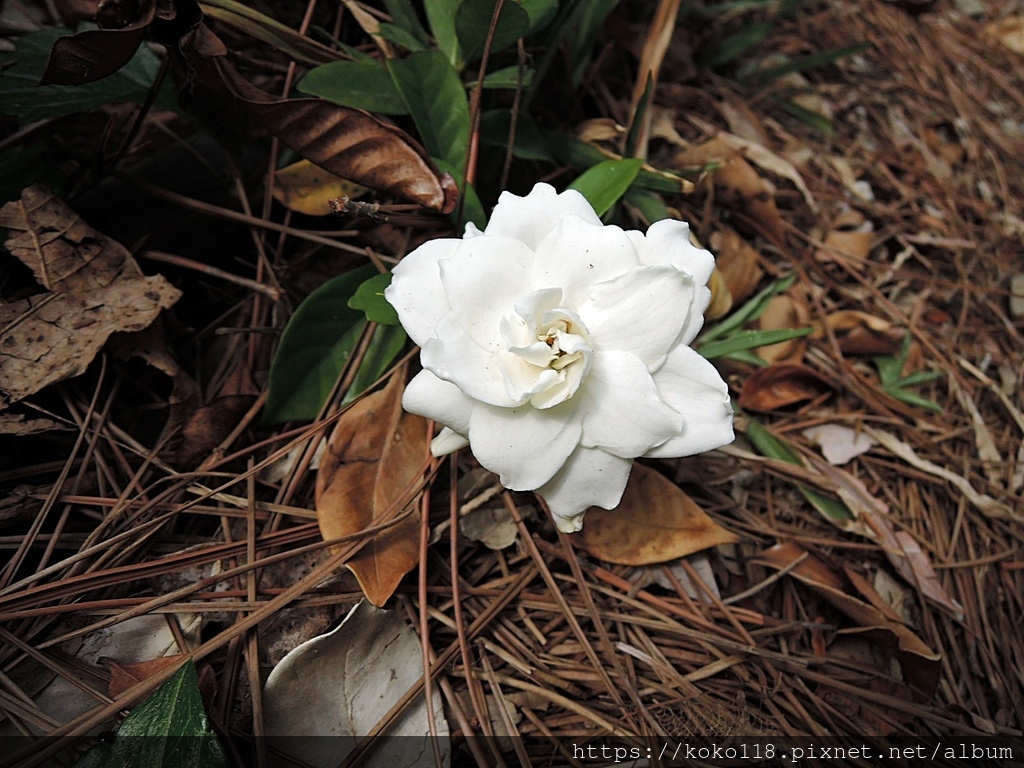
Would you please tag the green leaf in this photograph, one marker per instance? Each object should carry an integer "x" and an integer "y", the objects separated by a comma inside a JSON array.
[
  {"x": 358, "y": 84},
  {"x": 387, "y": 342},
  {"x": 441, "y": 18},
  {"x": 743, "y": 340},
  {"x": 435, "y": 98},
  {"x": 508, "y": 77},
  {"x": 541, "y": 12},
  {"x": 734, "y": 46},
  {"x": 22, "y": 68},
  {"x": 270, "y": 31},
  {"x": 530, "y": 141},
  {"x": 894, "y": 383},
  {"x": 773, "y": 447},
  {"x": 167, "y": 730},
  {"x": 314, "y": 348},
  {"x": 582, "y": 29},
  {"x": 399, "y": 36},
  {"x": 629, "y": 150},
  {"x": 752, "y": 310},
  {"x": 404, "y": 16},
  {"x": 473, "y": 22},
  {"x": 472, "y": 208},
  {"x": 369, "y": 297},
  {"x": 606, "y": 182},
  {"x": 812, "y": 61},
  {"x": 650, "y": 206},
  {"x": 582, "y": 155},
  {"x": 815, "y": 120}
]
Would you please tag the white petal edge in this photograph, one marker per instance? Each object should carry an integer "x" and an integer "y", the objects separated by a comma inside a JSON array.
[
  {"x": 453, "y": 356},
  {"x": 692, "y": 386},
  {"x": 590, "y": 477},
  {"x": 578, "y": 254},
  {"x": 524, "y": 446},
  {"x": 531, "y": 218},
  {"x": 416, "y": 291},
  {"x": 623, "y": 412},
  {"x": 447, "y": 441},
  {"x": 643, "y": 312},
  {"x": 483, "y": 279},
  {"x": 438, "y": 400}
]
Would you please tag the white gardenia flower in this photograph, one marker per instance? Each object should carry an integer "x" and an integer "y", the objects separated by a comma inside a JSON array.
[{"x": 557, "y": 348}]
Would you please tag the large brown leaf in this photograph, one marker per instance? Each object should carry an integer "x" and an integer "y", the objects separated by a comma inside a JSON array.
[
  {"x": 350, "y": 143},
  {"x": 95, "y": 288},
  {"x": 920, "y": 664},
  {"x": 373, "y": 457},
  {"x": 655, "y": 522}
]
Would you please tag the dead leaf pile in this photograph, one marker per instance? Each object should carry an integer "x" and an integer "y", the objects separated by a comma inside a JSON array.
[{"x": 93, "y": 288}]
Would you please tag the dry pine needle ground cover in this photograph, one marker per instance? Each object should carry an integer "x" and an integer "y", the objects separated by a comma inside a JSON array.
[{"x": 907, "y": 621}]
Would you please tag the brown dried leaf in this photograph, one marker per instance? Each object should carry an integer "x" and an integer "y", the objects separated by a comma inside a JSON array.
[
  {"x": 95, "y": 289},
  {"x": 784, "y": 312},
  {"x": 349, "y": 143},
  {"x": 780, "y": 385},
  {"x": 920, "y": 664},
  {"x": 858, "y": 333},
  {"x": 721, "y": 297},
  {"x": 307, "y": 188},
  {"x": 124, "y": 676},
  {"x": 655, "y": 522},
  {"x": 374, "y": 454},
  {"x": 738, "y": 262},
  {"x": 737, "y": 184},
  {"x": 850, "y": 236}
]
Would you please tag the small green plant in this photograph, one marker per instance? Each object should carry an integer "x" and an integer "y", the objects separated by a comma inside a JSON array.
[{"x": 894, "y": 383}]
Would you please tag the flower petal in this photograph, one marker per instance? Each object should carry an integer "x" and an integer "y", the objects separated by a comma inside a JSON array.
[
  {"x": 482, "y": 280},
  {"x": 692, "y": 386},
  {"x": 438, "y": 400},
  {"x": 622, "y": 410},
  {"x": 668, "y": 242},
  {"x": 524, "y": 445},
  {"x": 447, "y": 441},
  {"x": 578, "y": 254},
  {"x": 453, "y": 356},
  {"x": 532, "y": 218},
  {"x": 643, "y": 312},
  {"x": 416, "y": 292},
  {"x": 590, "y": 477}
]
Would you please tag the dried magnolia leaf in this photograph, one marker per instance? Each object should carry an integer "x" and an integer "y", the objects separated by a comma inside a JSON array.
[
  {"x": 307, "y": 188},
  {"x": 737, "y": 184},
  {"x": 492, "y": 526},
  {"x": 374, "y": 456},
  {"x": 655, "y": 522},
  {"x": 780, "y": 385},
  {"x": 95, "y": 289},
  {"x": 784, "y": 312},
  {"x": 849, "y": 238},
  {"x": 349, "y": 143},
  {"x": 920, "y": 663},
  {"x": 738, "y": 262},
  {"x": 858, "y": 333}
]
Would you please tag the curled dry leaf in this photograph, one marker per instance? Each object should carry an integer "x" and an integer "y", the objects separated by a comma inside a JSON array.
[
  {"x": 780, "y": 385},
  {"x": 920, "y": 664},
  {"x": 655, "y": 522},
  {"x": 366, "y": 479},
  {"x": 721, "y": 297},
  {"x": 849, "y": 239},
  {"x": 784, "y": 312},
  {"x": 738, "y": 262},
  {"x": 839, "y": 444},
  {"x": 736, "y": 183},
  {"x": 858, "y": 333},
  {"x": 94, "y": 288},
  {"x": 307, "y": 188}
]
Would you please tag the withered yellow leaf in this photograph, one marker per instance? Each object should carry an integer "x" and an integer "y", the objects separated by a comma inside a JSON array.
[
  {"x": 655, "y": 522},
  {"x": 307, "y": 188},
  {"x": 365, "y": 480}
]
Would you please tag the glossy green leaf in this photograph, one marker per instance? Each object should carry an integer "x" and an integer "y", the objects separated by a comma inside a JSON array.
[
  {"x": 21, "y": 69},
  {"x": 384, "y": 347},
  {"x": 606, "y": 182},
  {"x": 369, "y": 298},
  {"x": 582, "y": 155},
  {"x": 541, "y": 12},
  {"x": 435, "y": 98},
  {"x": 358, "y": 84},
  {"x": 167, "y": 730},
  {"x": 508, "y": 77},
  {"x": 399, "y": 36},
  {"x": 744, "y": 340},
  {"x": 649, "y": 205},
  {"x": 314, "y": 348},
  {"x": 441, "y": 18},
  {"x": 473, "y": 22},
  {"x": 404, "y": 17},
  {"x": 530, "y": 142}
]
